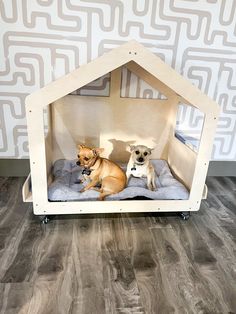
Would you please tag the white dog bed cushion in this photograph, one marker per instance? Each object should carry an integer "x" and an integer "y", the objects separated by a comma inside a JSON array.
[{"x": 66, "y": 186}]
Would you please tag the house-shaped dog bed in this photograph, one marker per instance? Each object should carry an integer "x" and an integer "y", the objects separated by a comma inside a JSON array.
[{"x": 113, "y": 122}]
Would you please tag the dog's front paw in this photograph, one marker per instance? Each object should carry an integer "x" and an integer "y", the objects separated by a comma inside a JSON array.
[
  {"x": 83, "y": 190},
  {"x": 152, "y": 188}
]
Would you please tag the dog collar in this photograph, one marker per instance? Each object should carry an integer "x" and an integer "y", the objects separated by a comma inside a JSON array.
[
  {"x": 86, "y": 171},
  {"x": 133, "y": 168}
]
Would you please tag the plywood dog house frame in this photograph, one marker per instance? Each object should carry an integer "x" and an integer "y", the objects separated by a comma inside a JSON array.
[{"x": 188, "y": 166}]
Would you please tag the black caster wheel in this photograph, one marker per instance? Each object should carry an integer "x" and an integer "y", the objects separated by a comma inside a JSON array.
[
  {"x": 45, "y": 219},
  {"x": 185, "y": 215}
]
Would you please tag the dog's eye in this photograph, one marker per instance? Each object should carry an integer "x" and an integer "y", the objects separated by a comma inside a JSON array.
[
  {"x": 145, "y": 153},
  {"x": 86, "y": 158},
  {"x": 137, "y": 152},
  {"x": 78, "y": 156}
]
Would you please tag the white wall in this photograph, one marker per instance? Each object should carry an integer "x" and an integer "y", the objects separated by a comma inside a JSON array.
[{"x": 42, "y": 40}]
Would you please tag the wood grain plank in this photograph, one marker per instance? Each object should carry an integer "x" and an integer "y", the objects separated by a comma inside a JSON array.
[
  {"x": 69, "y": 276},
  {"x": 87, "y": 258},
  {"x": 229, "y": 202},
  {"x": 11, "y": 200},
  {"x": 225, "y": 217},
  {"x": 221, "y": 185},
  {"x": 15, "y": 298},
  {"x": 115, "y": 232},
  {"x": 216, "y": 186},
  {"x": 159, "y": 220},
  {"x": 20, "y": 259},
  {"x": 120, "y": 286},
  {"x": 186, "y": 289},
  {"x": 205, "y": 268},
  {"x": 217, "y": 241},
  {"x": 148, "y": 273},
  {"x": 127, "y": 263},
  {"x": 3, "y": 180}
]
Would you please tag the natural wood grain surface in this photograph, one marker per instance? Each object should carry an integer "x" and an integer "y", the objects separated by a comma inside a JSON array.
[{"x": 144, "y": 263}]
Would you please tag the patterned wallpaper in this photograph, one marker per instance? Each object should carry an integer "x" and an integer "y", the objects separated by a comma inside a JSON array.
[{"x": 42, "y": 40}]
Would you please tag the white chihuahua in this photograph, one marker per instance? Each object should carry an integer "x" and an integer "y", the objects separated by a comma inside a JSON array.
[{"x": 139, "y": 165}]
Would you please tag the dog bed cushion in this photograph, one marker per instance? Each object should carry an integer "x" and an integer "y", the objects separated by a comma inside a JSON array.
[{"x": 67, "y": 175}]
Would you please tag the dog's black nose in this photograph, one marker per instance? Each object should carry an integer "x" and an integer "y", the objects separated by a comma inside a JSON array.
[
  {"x": 78, "y": 163},
  {"x": 140, "y": 159}
]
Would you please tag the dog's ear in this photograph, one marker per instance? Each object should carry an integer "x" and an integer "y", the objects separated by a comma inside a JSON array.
[
  {"x": 97, "y": 151},
  {"x": 131, "y": 148},
  {"x": 80, "y": 146},
  {"x": 150, "y": 150}
]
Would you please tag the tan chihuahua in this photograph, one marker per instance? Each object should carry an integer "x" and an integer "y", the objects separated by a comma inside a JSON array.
[{"x": 100, "y": 171}]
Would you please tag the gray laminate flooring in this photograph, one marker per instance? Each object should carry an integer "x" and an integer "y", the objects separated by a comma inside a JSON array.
[{"x": 145, "y": 263}]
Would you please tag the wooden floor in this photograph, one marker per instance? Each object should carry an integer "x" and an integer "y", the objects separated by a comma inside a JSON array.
[{"x": 119, "y": 263}]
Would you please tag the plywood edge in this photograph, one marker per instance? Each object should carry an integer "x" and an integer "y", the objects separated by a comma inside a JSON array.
[
  {"x": 96, "y": 207},
  {"x": 84, "y": 74},
  {"x": 133, "y": 100},
  {"x": 176, "y": 82},
  {"x": 150, "y": 79},
  {"x": 182, "y": 161},
  {"x": 166, "y": 77},
  {"x": 205, "y": 191},
  {"x": 27, "y": 190}
]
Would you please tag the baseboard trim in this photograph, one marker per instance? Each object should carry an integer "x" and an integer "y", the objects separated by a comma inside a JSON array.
[
  {"x": 220, "y": 168},
  {"x": 21, "y": 168},
  {"x": 14, "y": 167}
]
